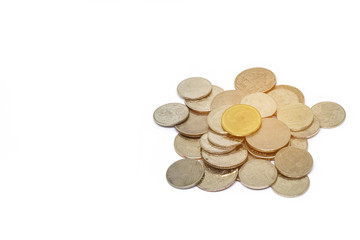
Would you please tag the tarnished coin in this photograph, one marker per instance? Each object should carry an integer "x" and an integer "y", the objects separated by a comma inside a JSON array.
[
  {"x": 257, "y": 174},
  {"x": 203, "y": 105},
  {"x": 230, "y": 97},
  {"x": 195, "y": 126},
  {"x": 187, "y": 147},
  {"x": 216, "y": 180},
  {"x": 295, "y": 90},
  {"x": 309, "y": 132},
  {"x": 171, "y": 114},
  {"x": 293, "y": 162},
  {"x": 214, "y": 119},
  {"x": 271, "y": 136},
  {"x": 226, "y": 161},
  {"x": 255, "y": 80},
  {"x": 211, "y": 148},
  {"x": 296, "y": 116},
  {"x": 330, "y": 114},
  {"x": 225, "y": 141},
  {"x": 291, "y": 187},
  {"x": 185, "y": 173},
  {"x": 301, "y": 143},
  {"x": 194, "y": 88},
  {"x": 262, "y": 102}
]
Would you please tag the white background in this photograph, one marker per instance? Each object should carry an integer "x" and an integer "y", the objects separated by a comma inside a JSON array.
[{"x": 80, "y": 155}]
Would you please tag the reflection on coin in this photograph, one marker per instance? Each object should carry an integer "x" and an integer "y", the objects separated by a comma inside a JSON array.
[
  {"x": 203, "y": 105},
  {"x": 171, "y": 114},
  {"x": 301, "y": 143},
  {"x": 185, "y": 173},
  {"x": 283, "y": 96},
  {"x": 255, "y": 80},
  {"x": 298, "y": 93},
  {"x": 230, "y": 97},
  {"x": 226, "y": 161},
  {"x": 296, "y": 116},
  {"x": 214, "y": 119},
  {"x": 293, "y": 162},
  {"x": 309, "y": 132},
  {"x": 225, "y": 141},
  {"x": 194, "y": 88},
  {"x": 266, "y": 156},
  {"x": 195, "y": 126},
  {"x": 330, "y": 114},
  {"x": 187, "y": 147},
  {"x": 262, "y": 102},
  {"x": 210, "y": 148},
  {"x": 291, "y": 187}
]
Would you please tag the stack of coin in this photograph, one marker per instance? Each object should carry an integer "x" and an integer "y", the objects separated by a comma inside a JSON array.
[{"x": 256, "y": 134}]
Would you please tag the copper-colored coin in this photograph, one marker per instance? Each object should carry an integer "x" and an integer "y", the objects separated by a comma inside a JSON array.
[
  {"x": 330, "y": 114},
  {"x": 195, "y": 126},
  {"x": 214, "y": 119},
  {"x": 230, "y": 97},
  {"x": 295, "y": 90},
  {"x": 211, "y": 148},
  {"x": 225, "y": 141},
  {"x": 255, "y": 80},
  {"x": 309, "y": 132},
  {"x": 283, "y": 96},
  {"x": 271, "y": 136},
  {"x": 296, "y": 116},
  {"x": 266, "y": 156},
  {"x": 301, "y": 143},
  {"x": 262, "y": 102},
  {"x": 203, "y": 105},
  {"x": 293, "y": 162},
  {"x": 187, "y": 147},
  {"x": 194, "y": 88},
  {"x": 185, "y": 173},
  {"x": 291, "y": 187},
  {"x": 171, "y": 114},
  {"x": 226, "y": 161}
]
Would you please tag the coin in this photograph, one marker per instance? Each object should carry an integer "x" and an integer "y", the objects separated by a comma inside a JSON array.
[
  {"x": 230, "y": 97},
  {"x": 301, "y": 143},
  {"x": 194, "y": 88},
  {"x": 291, "y": 187},
  {"x": 283, "y": 96},
  {"x": 226, "y": 161},
  {"x": 187, "y": 147},
  {"x": 241, "y": 120},
  {"x": 185, "y": 173},
  {"x": 217, "y": 179},
  {"x": 214, "y": 119},
  {"x": 309, "y": 132},
  {"x": 225, "y": 141},
  {"x": 267, "y": 156},
  {"x": 203, "y": 105},
  {"x": 211, "y": 148},
  {"x": 293, "y": 162},
  {"x": 296, "y": 116},
  {"x": 257, "y": 174},
  {"x": 171, "y": 114},
  {"x": 262, "y": 102},
  {"x": 295, "y": 90},
  {"x": 255, "y": 80},
  {"x": 195, "y": 126},
  {"x": 330, "y": 114},
  {"x": 271, "y": 136}
]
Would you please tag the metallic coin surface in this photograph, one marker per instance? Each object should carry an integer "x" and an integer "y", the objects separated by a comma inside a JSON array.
[
  {"x": 301, "y": 143},
  {"x": 187, "y": 147},
  {"x": 185, "y": 173},
  {"x": 203, "y": 105},
  {"x": 241, "y": 120},
  {"x": 309, "y": 132},
  {"x": 265, "y": 104},
  {"x": 271, "y": 136},
  {"x": 214, "y": 119},
  {"x": 195, "y": 126},
  {"x": 293, "y": 162},
  {"x": 171, "y": 114},
  {"x": 283, "y": 96},
  {"x": 296, "y": 116},
  {"x": 330, "y": 114},
  {"x": 226, "y": 161},
  {"x": 255, "y": 80},
  {"x": 194, "y": 88},
  {"x": 295, "y": 90},
  {"x": 225, "y": 141},
  {"x": 266, "y": 156},
  {"x": 291, "y": 187},
  {"x": 230, "y": 97},
  {"x": 211, "y": 148}
]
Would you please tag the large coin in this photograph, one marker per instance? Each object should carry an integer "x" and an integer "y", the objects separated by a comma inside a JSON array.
[
  {"x": 330, "y": 114},
  {"x": 211, "y": 148},
  {"x": 230, "y": 97},
  {"x": 255, "y": 80},
  {"x": 194, "y": 88},
  {"x": 185, "y": 173},
  {"x": 203, "y": 105},
  {"x": 171, "y": 114},
  {"x": 296, "y": 116},
  {"x": 291, "y": 187},
  {"x": 309, "y": 132},
  {"x": 187, "y": 147},
  {"x": 226, "y": 161},
  {"x": 195, "y": 126},
  {"x": 262, "y": 102},
  {"x": 214, "y": 119}
]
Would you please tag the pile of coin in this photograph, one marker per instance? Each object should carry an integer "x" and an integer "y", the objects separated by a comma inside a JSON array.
[{"x": 256, "y": 134}]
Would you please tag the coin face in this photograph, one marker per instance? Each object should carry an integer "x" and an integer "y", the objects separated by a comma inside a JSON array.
[
  {"x": 230, "y": 97},
  {"x": 225, "y": 141},
  {"x": 203, "y": 105},
  {"x": 187, "y": 147},
  {"x": 255, "y": 80},
  {"x": 185, "y": 173},
  {"x": 194, "y": 88},
  {"x": 293, "y": 162},
  {"x": 211, "y": 148},
  {"x": 291, "y": 187},
  {"x": 171, "y": 114},
  {"x": 262, "y": 102},
  {"x": 195, "y": 126},
  {"x": 283, "y": 96},
  {"x": 226, "y": 161},
  {"x": 296, "y": 116},
  {"x": 295, "y": 90},
  {"x": 214, "y": 119},
  {"x": 241, "y": 120},
  {"x": 309, "y": 132},
  {"x": 301, "y": 143},
  {"x": 329, "y": 114}
]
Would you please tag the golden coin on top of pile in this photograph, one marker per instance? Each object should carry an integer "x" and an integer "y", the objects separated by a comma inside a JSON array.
[{"x": 256, "y": 133}]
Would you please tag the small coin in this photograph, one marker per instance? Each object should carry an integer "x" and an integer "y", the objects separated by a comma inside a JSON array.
[
  {"x": 203, "y": 105},
  {"x": 296, "y": 116},
  {"x": 266, "y": 156},
  {"x": 291, "y": 187},
  {"x": 185, "y": 173},
  {"x": 330, "y": 114},
  {"x": 301, "y": 143},
  {"x": 194, "y": 88},
  {"x": 195, "y": 126},
  {"x": 225, "y": 141},
  {"x": 187, "y": 147},
  {"x": 283, "y": 96},
  {"x": 241, "y": 120},
  {"x": 211, "y": 148},
  {"x": 293, "y": 162},
  {"x": 230, "y": 97},
  {"x": 262, "y": 102},
  {"x": 171, "y": 114},
  {"x": 255, "y": 80},
  {"x": 309, "y": 132},
  {"x": 226, "y": 161},
  {"x": 214, "y": 119}
]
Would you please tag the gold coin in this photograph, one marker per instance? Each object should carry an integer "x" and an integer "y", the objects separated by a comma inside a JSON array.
[
  {"x": 216, "y": 180},
  {"x": 266, "y": 156},
  {"x": 226, "y": 161},
  {"x": 309, "y": 132},
  {"x": 241, "y": 120},
  {"x": 185, "y": 173},
  {"x": 293, "y": 162},
  {"x": 295, "y": 90},
  {"x": 330, "y": 114},
  {"x": 283, "y": 96},
  {"x": 291, "y": 187},
  {"x": 262, "y": 102},
  {"x": 203, "y": 105},
  {"x": 187, "y": 147},
  {"x": 171, "y": 114},
  {"x": 301, "y": 143},
  {"x": 257, "y": 174},
  {"x": 214, "y": 119},
  {"x": 296, "y": 116},
  {"x": 195, "y": 126},
  {"x": 230, "y": 97},
  {"x": 211, "y": 148},
  {"x": 255, "y": 80},
  {"x": 194, "y": 88},
  {"x": 272, "y": 135},
  {"x": 225, "y": 141}
]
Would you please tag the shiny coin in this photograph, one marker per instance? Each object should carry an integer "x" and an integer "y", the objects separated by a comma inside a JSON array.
[
  {"x": 301, "y": 143},
  {"x": 211, "y": 148},
  {"x": 203, "y": 105},
  {"x": 185, "y": 173},
  {"x": 230, "y": 97},
  {"x": 225, "y": 141},
  {"x": 226, "y": 161},
  {"x": 309, "y": 132},
  {"x": 187, "y": 147},
  {"x": 291, "y": 187},
  {"x": 296, "y": 116},
  {"x": 195, "y": 126},
  {"x": 293, "y": 162},
  {"x": 214, "y": 119},
  {"x": 330, "y": 114},
  {"x": 171, "y": 114},
  {"x": 194, "y": 88},
  {"x": 262, "y": 102},
  {"x": 255, "y": 80}
]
